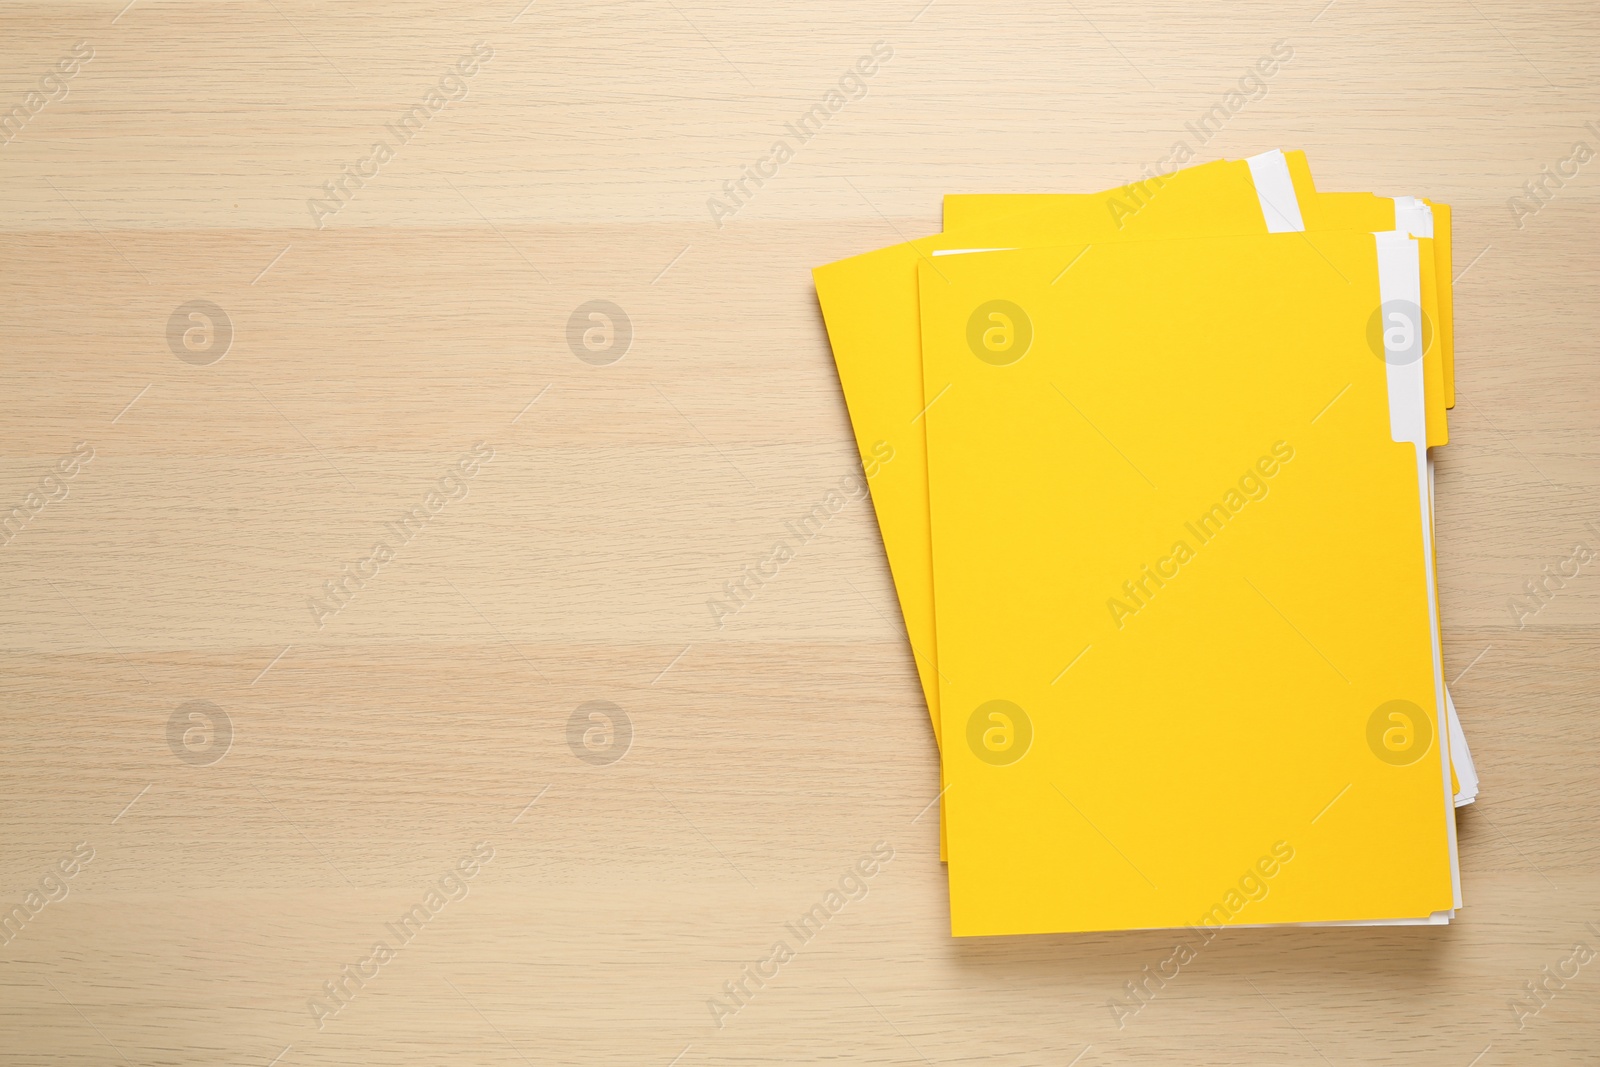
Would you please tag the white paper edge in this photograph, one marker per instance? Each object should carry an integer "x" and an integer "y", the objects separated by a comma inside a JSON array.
[{"x": 1280, "y": 207}]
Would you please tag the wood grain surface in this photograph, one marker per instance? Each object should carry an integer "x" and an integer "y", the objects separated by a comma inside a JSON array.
[{"x": 252, "y": 781}]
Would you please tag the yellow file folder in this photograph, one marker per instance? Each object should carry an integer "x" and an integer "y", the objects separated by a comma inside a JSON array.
[{"x": 1186, "y": 640}]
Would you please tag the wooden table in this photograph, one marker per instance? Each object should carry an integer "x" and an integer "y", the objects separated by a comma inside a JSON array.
[{"x": 262, "y": 745}]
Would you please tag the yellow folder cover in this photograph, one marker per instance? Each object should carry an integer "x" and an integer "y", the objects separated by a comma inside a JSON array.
[{"x": 1185, "y": 632}]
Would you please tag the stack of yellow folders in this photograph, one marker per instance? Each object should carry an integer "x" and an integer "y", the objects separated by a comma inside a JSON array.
[{"x": 1160, "y": 522}]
